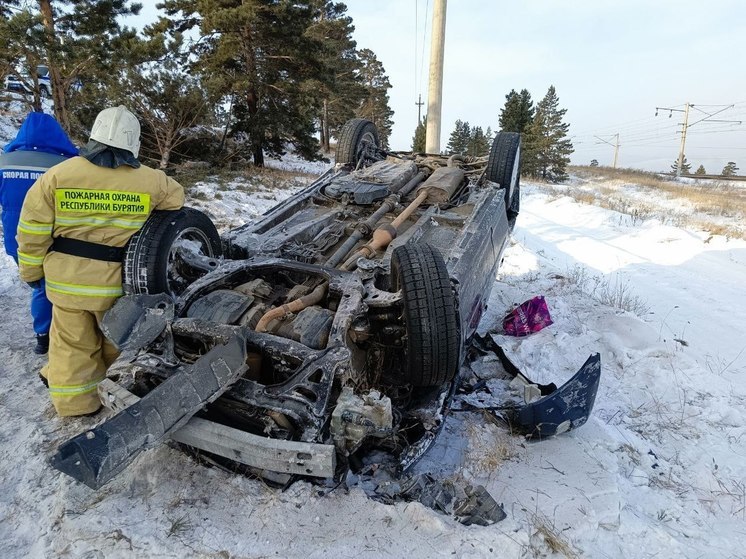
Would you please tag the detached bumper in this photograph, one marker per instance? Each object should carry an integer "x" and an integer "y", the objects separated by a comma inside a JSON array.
[
  {"x": 553, "y": 410},
  {"x": 567, "y": 407}
]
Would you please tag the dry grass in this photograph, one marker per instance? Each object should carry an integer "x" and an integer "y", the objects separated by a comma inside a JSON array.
[
  {"x": 643, "y": 178},
  {"x": 269, "y": 178},
  {"x": 489, "y": 447},
  {"x": 179, "y": 526},
  {"x": 545, "y": 533},
  {"x": 716, "y": 207}
]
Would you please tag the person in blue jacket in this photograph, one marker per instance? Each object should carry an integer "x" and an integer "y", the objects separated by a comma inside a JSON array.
[{"x": 40, "y": 144}]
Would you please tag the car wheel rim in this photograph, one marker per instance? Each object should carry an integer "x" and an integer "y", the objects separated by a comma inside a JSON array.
[
  {"x": 187, "y": 238},
  {"x": 367, "y": 146}
]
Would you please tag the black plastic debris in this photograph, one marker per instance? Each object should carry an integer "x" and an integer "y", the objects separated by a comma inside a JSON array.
[
  {"x": 136, "y": 320},
  {"x": 467, "y": 503}
]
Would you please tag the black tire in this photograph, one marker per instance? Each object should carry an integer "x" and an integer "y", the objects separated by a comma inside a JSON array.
[
  {"x": 504, "y": 168},
  {"x": 147, "y": 261},
  {"x": 433, "y": 339},
  {"x": 357, "y": 137}
]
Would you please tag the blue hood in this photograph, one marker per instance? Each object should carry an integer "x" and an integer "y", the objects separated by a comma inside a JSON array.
[{"x": 40, "y": 132}]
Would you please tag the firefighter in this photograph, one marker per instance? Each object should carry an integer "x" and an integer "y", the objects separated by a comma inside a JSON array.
[
  {"x": 82, "y": 213},
  {"x": 40, "y": 144}
]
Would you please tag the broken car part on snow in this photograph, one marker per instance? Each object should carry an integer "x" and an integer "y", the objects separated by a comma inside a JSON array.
[{"x": 332, "y": 328}]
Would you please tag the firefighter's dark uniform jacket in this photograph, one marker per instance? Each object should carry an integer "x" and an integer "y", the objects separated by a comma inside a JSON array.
[{"x": 83, "y": 201}]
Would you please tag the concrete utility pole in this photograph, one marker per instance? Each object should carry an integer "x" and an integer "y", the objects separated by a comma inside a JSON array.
[
  {"x": 435, "y": 91},
  {"x": 615, "y": 146},
  {"x": 616, "y": 149},
  {"x": 685, "y": 125}
]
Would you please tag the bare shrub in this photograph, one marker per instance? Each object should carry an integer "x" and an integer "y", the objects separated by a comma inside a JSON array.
[{"x": 612, "y": 291}]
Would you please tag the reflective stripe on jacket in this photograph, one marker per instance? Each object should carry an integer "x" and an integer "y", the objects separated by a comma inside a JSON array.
[{"x": 79, "y": 200}]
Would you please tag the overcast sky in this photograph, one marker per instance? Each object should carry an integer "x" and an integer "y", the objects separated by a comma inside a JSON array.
[{"x": 611, "y": 61}]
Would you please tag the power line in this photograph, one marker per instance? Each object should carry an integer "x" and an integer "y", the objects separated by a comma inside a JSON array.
[
  {"x": 424, "y": 40},
  {"x": 630, "y": 132},
  {"x": 685, "y": 125},
  {"x": 615, "y": 145},
  {"x": 718, "y": 147},
  {"x": 631, "y": 125},
  {"x": 642, "y": 125},
  {"x": 416, "y": 39}
]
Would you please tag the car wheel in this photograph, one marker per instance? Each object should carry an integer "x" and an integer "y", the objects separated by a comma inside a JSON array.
[
  {"x": 152, "y": 263},
  {"x": 433, "y": 339},
  {"x": 357, "y": 140},
  {"x": 45, "y": 92},
  {"x": 504, "y": 168}
]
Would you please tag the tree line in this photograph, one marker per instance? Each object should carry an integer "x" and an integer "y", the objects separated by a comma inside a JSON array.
[
  {"x": 464, "y": 140},
  {"x": 730, "y": 169},
  {"x": 546, "y": 148},
  {"x": 217, "y": 81}
]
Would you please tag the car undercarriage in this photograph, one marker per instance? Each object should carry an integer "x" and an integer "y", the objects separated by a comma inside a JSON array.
[{"x": 331, "y": 330}]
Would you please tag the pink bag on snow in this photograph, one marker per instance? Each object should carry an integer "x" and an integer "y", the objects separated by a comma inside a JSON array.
[{"x": 527, "y": 318}]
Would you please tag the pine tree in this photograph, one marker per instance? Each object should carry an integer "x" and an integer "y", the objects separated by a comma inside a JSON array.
[
  {"x": 594, "y": 162},
  {"x": 730, "y": 169},
  {"x": 24, "y": 49},
  {"x": 80, "y": 41},
  {"x": 458, "y": 141},
  {"x": 6, "y": 8},
  {"x": 700, "y": 170},
  {"x": 340, "y": 87},
  {"x": 489, "y": 135},
  {"x": 686, "y": 167},
  {"x": 167, "y": 99},
  {"x": 258, "y": 53},
  {"x": 375, "y": 105},
  {"x": 477, "y": 145},
  {"x": 546, "y": 146},
  {"x": 518, "y": 112},
  {"x": 419, "y": 139},
  {"x": 9, "y": 52}
]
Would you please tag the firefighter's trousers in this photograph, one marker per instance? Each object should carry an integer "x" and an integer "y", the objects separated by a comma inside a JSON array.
[{"x": 79, "y": 356}]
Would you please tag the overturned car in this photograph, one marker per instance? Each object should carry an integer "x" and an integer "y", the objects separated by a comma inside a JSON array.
[{"x": 334, "y": 326}]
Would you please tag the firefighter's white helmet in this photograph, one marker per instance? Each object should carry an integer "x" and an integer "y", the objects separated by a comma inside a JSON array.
[{"x": 119, "y": 128}]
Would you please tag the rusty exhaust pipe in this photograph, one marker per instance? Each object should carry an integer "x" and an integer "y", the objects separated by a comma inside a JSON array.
[
  {"x": 292, "y": 307},
  {"x": 437, "y": 189}
]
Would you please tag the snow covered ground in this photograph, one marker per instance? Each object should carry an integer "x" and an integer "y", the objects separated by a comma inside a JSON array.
[{"x": 658, "y": 471}]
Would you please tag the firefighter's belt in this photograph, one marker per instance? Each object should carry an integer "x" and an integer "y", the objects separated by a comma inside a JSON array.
[{"x": 86, "y": 249}]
